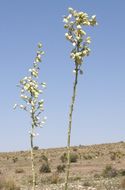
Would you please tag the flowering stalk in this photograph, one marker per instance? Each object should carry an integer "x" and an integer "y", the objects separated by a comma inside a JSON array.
[
  {"x": 30, "y": 92},
  {"x": 77, "y": 36}
]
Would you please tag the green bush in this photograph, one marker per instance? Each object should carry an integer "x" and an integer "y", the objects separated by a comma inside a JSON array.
[
  {"x": 44, "y": 158},
  {"x": 122, "y": 172},
  {"x": 63, "y": 158},
  {"x": 61, "y": 168},
  {"x": 109, "y": 172},
  {"x": 35, "y": 148},
  {"x": 88, "y": 157},
  {"x": 73, "y": 157},
  {"x": 116, "y": 155},
  {"x": 113, "y": 156},
  {"x": 45, "y": 168},
  {"x": 15, "y": 159},
  {"x": 19, "y": 170},
  {"x": 87, "y": 184},
  {"x": 97, "y": 176}
]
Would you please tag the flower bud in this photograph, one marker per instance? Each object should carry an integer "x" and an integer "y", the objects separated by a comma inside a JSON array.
[{"x": 39, "y": 45}]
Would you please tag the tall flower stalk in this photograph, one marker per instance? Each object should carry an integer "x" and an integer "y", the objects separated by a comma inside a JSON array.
[
  {"x": 30, "y": 93},
  {"x": 74, "y": 24}
]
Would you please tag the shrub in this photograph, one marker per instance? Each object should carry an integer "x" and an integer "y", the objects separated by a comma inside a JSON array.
[
  {"x": 87, "y": 184},
  {"x": 35, "y": 148},
  {"x": 96, "y": 175},
  {"x": 88, "y": 157},
  {"x": 15, "y": 159},
  {"x": 54, "y": 178},
  {"x": 116, "y": 155},
  {"x": 113, "y": 156},
  {"x": 45, "y": 168},
  {"x": 19, "y": 170},
  {"x": 61, "y": 168},
  {"x": 122, "y": 172},
  {"x": 73, "y": 157},
  {"x": 63, "y": 158},
  {"x": 76, "y": 178},
  {"x": 109, "y": 172},
  {"x": 75, "y": 149},
  {"x": 44, "y": 158}
]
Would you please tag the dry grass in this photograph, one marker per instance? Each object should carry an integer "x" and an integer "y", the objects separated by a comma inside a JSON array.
[{"x": 86, "y": 172}]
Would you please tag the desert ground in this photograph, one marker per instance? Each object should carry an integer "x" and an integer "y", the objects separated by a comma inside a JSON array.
[{"x": 95, "y": 167}]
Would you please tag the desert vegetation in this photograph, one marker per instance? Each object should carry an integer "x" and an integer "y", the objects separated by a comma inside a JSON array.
[
  {"x": 98, "y": 172},
  {"x": 76, "y": 35},
  {"x": 34, "y": 106},
  {"x": 31, "y": 90},
  {"x": 95, "y": 167}
]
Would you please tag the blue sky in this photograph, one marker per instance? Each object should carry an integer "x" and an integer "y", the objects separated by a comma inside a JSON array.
[{"x": 99, "y": 113}]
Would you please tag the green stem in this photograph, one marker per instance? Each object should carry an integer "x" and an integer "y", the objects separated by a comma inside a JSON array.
[
  {"x": 32, "y": 153},
  {"x": 70, "y": 126}
]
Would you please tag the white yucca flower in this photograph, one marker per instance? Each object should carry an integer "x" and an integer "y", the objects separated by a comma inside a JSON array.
[
  {"x": 22, "y": 106},
  {"x": 45, "y": 118},
  {"x": 79, "y": 27},
  {"x": 74, "y": 71}
]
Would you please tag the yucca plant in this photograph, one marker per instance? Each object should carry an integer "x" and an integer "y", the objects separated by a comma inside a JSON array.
[
  {"x": 75, "y": 34},
  {"x": 31, "y": 89}
]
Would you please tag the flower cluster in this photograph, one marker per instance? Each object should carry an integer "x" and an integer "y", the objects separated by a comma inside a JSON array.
[
  {"x": 74, "y": 23},
  {"x": 31, "y": 90}
]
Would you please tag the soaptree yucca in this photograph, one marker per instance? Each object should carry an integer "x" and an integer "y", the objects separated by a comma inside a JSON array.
[
  {"x": 75, "y": 34},
  {"x": 31, "y": 89}
]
